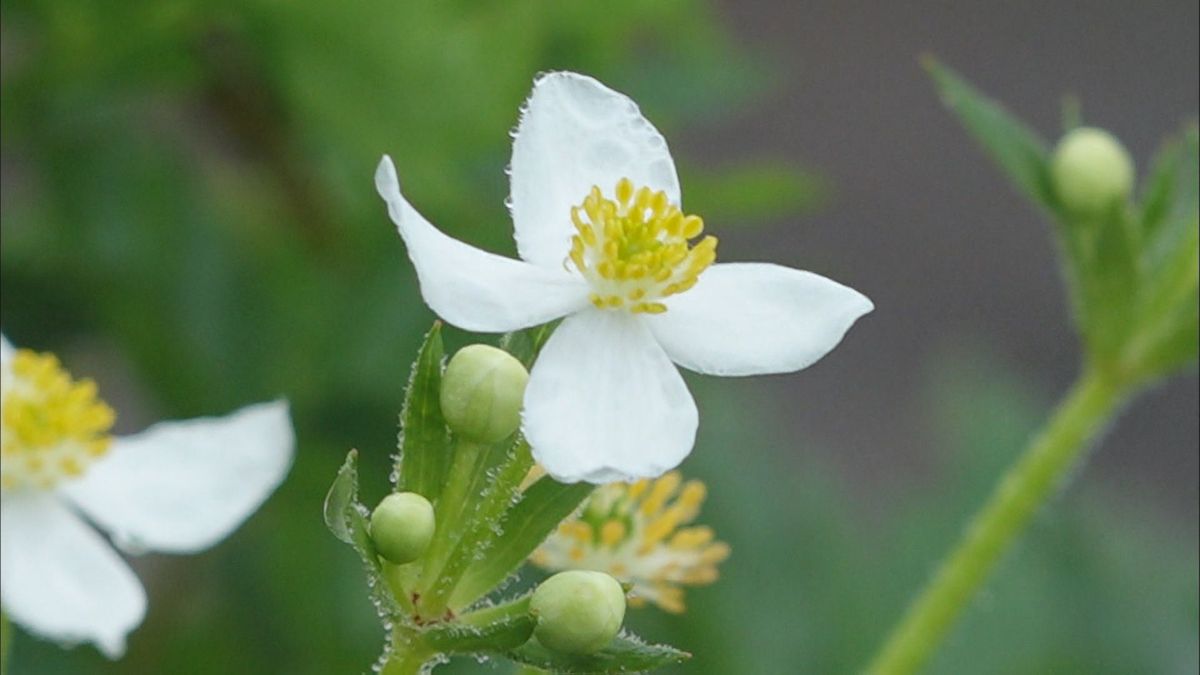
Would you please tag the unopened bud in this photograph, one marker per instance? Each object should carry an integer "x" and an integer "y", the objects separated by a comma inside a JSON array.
[
  {"x": 1091, "y": 171},
  {"x": 578, "y": 611},
  {"x": 482, "y": 392},
  {"x": 402, "y": 527}
]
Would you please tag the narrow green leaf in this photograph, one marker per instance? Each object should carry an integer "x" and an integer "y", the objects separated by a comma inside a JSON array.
[
  {"x": 527, "y": 344},
  {"x": 1166, "y": 337},
  {"x": 1161, "y": 187},
  {"x": 541, "y": 508},
  {"x": 339, "y": 502},
  {"x": 498, "y": 495},
  {"x": 424, "y": 440},
  {"x": 1019, "y": 152},
  {"x": 495, "y": 630},
  {"x": 1178, "y": 349},
  {"x": 347, "y": 519},
  {"x": 626, "y": 654}
]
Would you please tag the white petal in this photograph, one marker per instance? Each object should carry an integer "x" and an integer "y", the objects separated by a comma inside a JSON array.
[
  {"x": 183, "y": 486},
  {"x": 471, "y": 288},
  {"x": 576, "y": 133},
  {"x": 60, "y": 580},
  {"x": 756, "y": 318},
  {"x": 604, "y": 403},
  {"x": 6, "y": 350}
]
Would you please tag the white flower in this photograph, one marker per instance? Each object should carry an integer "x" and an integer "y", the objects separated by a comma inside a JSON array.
[
  {"x": 599, "y": 225},
  {"x": 176, "y": 487}
]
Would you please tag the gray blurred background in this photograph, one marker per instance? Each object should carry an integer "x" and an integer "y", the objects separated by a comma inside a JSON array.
[{"x": 922, "y": 222}]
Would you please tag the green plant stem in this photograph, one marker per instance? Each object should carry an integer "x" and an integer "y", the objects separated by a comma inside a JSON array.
[
  {"x": 1035, "y": 477},
  {"x": 409, "y": 654}
]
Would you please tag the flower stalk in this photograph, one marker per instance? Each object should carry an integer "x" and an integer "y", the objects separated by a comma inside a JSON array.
[{"x": 1036, "y": 476}]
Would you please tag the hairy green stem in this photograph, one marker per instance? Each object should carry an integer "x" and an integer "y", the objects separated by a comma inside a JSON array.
[
  {"x": 1035, "y": 477},
  {"x": 409, "y": 654}
]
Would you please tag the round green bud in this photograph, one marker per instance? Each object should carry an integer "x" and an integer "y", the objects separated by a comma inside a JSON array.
[
  {"x": 1091, "y": 171},
  {"x": 578, "y": 612},
  {"x": 482, "y": 391},
  {"x": 402, "y": 527}
]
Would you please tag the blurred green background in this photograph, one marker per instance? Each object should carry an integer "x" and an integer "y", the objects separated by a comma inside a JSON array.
[{"x": 188, "y": 217}]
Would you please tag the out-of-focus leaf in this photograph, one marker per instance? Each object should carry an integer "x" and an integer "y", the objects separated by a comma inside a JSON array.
[
  {"x": 626, "y": 654},
  {"x": 1160, "y": 187},
  {"x": 541, "y": 508},
  {"x": 424, "y": 440},
  {"x": 526, "y": 344},
  {"x": 1018, "y": 151},
  {"x": 739, "y": 195}
]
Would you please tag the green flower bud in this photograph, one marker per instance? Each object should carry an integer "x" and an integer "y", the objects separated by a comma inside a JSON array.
[
  {"x": 1091, "y": 171},
  {"x": 578, "y": 612},
  {"x": 482, "y": 392},
  {"x": 402, "y": 526}
]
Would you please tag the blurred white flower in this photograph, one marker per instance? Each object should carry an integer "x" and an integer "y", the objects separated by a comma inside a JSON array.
[
  {"x": 176, "y": 487},
  {"x": 599, "y": 225},
  {"x": 640, "y": 533}
]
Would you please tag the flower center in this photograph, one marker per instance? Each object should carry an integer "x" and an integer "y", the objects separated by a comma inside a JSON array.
[
  {"x": 635, "y": 250},
  {"x": 51, "y": 427}
]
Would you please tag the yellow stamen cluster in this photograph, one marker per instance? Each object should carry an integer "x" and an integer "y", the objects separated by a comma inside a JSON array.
[
  {"x": 635, "y": 249},
  {"x": 51, "y": 427},
  {"x": 640, "y": 534}
]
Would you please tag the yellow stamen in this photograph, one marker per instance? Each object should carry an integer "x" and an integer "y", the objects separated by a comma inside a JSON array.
[
  {"x": 637, "y": 247},
  {"x": 53, "y": 427}
]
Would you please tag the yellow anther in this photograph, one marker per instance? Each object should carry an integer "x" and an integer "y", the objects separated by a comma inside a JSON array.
[
  {"x": 636, "y": 246},
  {"x": 649, "y": 308},
  {"x": 692, "y": 537},
  {"x": 612, "y": 532},
  {"x": 577, "y": 530},
  {"x": 624, "y": 191},
  {"x": 637, "y": 533},
  {"x": 53, "y": 427},
  {"x": 663, "y": 488},
  {"x": 715, "y": 553}
]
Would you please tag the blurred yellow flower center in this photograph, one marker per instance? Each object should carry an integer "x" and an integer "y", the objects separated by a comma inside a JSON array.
[
  {"x": 635, "y": 249},
  {"x": 640, "y": 534},
  {"x": 52, "y": 427}
]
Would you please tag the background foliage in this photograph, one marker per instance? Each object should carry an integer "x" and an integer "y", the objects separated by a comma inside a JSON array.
[{"x": 188, "y": 216}]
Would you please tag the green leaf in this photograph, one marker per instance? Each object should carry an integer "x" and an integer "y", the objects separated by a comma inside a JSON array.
[
  {"x": 541, "y": 508},
  {"x": 527, "y": 344},
  {"x": 1166, "y": 337},
  {"x": 1019, "y": 152},
  {"x": 339, "y": 501},
  {"x": 493, "y": 629},
  {"x": 758, "y": 191},
  {"x": 346, "y": 518},
  {"x": 498, "y": 495},
  {"x": 1178, "y": 349},
  {"x": 1161, "y": 187},
  {"x": 424, "y": 440},
  {"x": 626, "y": 654}
]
